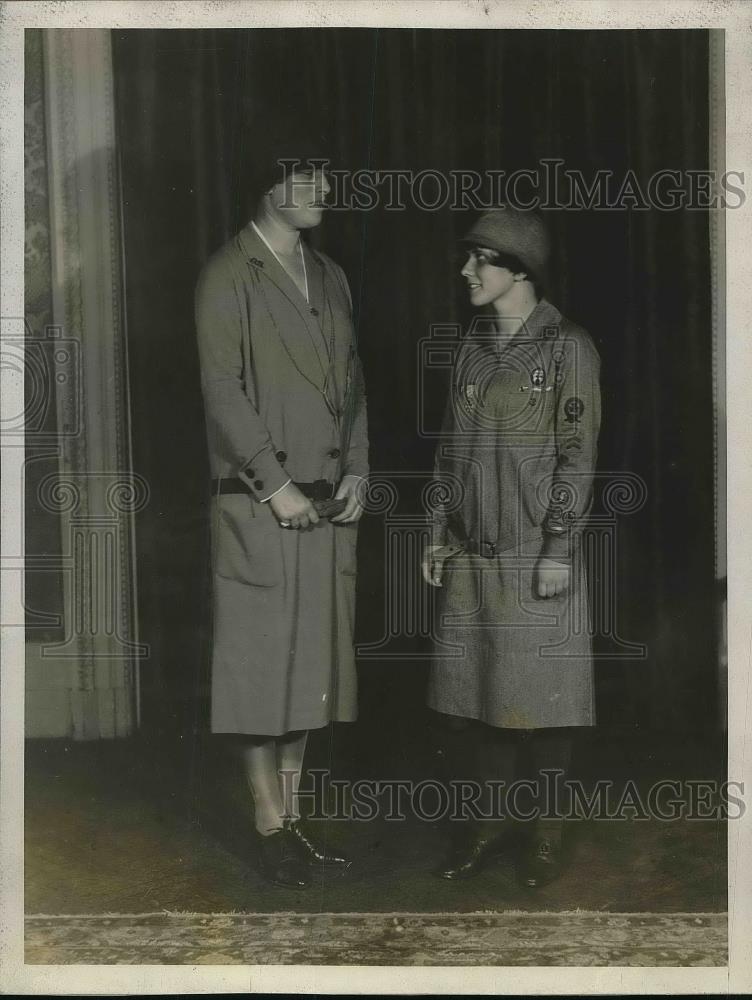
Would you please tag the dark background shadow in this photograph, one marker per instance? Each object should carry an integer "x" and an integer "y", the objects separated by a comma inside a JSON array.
[{"x": 639, "y": 281}]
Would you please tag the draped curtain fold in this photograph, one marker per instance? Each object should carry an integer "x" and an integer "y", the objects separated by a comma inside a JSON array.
[{"x": 445, "y": 100}]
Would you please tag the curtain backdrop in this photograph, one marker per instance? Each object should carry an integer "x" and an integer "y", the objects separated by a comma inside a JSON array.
[{"x": 447, "y": 100}]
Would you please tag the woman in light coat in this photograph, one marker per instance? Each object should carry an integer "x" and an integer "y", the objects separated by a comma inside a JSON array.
[{"x": 286, "y": 424}]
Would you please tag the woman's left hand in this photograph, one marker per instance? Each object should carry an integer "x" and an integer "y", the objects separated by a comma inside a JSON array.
[
  {"x": 349, "y": 489},
  {"x": 551, "y": 578}
]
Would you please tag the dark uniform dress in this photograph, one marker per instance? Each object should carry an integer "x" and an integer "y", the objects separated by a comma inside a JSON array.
[
  {"x": 518, "y": 455},
  {"x": 278, "y": 374}
]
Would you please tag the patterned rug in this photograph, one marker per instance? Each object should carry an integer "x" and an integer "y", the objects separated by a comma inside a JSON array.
[{"x": 474, "y": 939}]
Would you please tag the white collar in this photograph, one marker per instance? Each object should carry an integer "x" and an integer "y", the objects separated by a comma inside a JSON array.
[{"x": 271, "y": 250}]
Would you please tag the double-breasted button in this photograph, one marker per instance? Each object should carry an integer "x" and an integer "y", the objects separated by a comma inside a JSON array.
[
  {"x": 334, "y": 453},
  {"x": 259, "y": 484},
  {"x": 250, "y": 473},
  {"x": 281, "y": 456}
]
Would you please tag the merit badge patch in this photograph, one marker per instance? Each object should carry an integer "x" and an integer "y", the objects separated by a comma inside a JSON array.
[{"x": 573, "y": 409}]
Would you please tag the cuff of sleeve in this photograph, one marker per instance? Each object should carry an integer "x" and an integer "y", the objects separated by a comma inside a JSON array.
[
  {"x": 557, "y": 547},
  {"x": 439, "y": 533},
  {"x": 266, "y": 499},
  {"x": 355, "y": 468},
  {"x": 264, "y": 476}
]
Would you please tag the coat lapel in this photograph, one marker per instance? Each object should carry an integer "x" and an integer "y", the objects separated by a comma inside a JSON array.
[
  {"x": 316, "y": 311},
  {"x": 297, "y": 327},
  {"x": 331, "y": 309},
  {"x": 333, "y": 319}
]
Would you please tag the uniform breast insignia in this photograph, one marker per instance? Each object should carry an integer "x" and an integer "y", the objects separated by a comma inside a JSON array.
[
  {"x": 538, "y": 382},
  {"x": 573, "y": 409},
  {"x": 558, "y": 359},
  {"x": 470, "y": 395}
]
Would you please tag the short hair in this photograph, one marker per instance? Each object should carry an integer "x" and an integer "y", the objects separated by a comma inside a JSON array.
[
  {"x": 270, "y": 140},
  {"x": 510, "y": 262},
  {"x": 498, "y": 258}
]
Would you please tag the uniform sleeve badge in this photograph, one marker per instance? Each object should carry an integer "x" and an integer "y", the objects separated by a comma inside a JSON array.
[{"x": 573, "y": 409}]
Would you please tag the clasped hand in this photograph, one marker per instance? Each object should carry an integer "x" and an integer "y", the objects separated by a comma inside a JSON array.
[
  {"x": 294, "y": 510},
  {"x": 350, "y": 490}
]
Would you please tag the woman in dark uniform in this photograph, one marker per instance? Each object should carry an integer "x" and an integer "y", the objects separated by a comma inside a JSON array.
[
  {"x": 512, "y": 671},
  {"x": 286, "y": 423}
]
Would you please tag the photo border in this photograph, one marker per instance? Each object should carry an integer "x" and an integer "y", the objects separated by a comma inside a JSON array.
[{"x": 736, "y": 19}]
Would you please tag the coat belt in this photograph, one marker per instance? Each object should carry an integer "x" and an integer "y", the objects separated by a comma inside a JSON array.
[
  {"x": 318, "y": 490},
  {"x": 473, "y": 546},
  {"x": 476, "y": 547}
]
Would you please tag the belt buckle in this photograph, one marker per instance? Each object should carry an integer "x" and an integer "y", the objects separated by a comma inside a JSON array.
[{"x": 487, "y": 550}]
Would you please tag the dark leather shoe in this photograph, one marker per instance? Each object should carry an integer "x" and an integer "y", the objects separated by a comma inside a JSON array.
[
  {"x": 473, "y": 850},
  {"x": 279, "y": 862},
  {"x": 541, "y": 864},
  {"x": 312, "y": 853}
]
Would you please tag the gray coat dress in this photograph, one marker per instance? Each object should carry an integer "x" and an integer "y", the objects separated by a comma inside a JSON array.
[
  {"x": 278, "y": 373},
  {"x": 517, "y": 454}
]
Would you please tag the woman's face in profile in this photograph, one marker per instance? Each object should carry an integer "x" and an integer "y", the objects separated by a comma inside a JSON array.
[
  {"x": 300, "y": 199},
  {"x": 485, "y": 282}
]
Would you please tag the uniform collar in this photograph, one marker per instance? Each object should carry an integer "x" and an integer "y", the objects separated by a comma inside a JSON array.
[
  {"x": 263, "y": 259},
  {"x": 543, "y": 317},
  {"x": 309, "y": 351}
]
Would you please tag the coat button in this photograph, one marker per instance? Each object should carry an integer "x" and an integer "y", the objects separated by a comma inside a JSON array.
[
  {"x": 281, "y": 456},
  {"x": 314, "y": 311},
  {"x": 259, "y": 484},
  {"x": 334, "y": 453},
  {"x": 250, "y": 473}
]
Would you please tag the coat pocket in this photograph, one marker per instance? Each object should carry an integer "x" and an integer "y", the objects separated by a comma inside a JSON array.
[
  {"x": 346, "y": 542},
  {"x": 247, "y": 543}
]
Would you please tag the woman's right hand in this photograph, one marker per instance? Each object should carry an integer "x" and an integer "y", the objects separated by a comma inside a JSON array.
[
  {"x": 292, "y": 508},
  {"x": 432, "y": 564}
]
